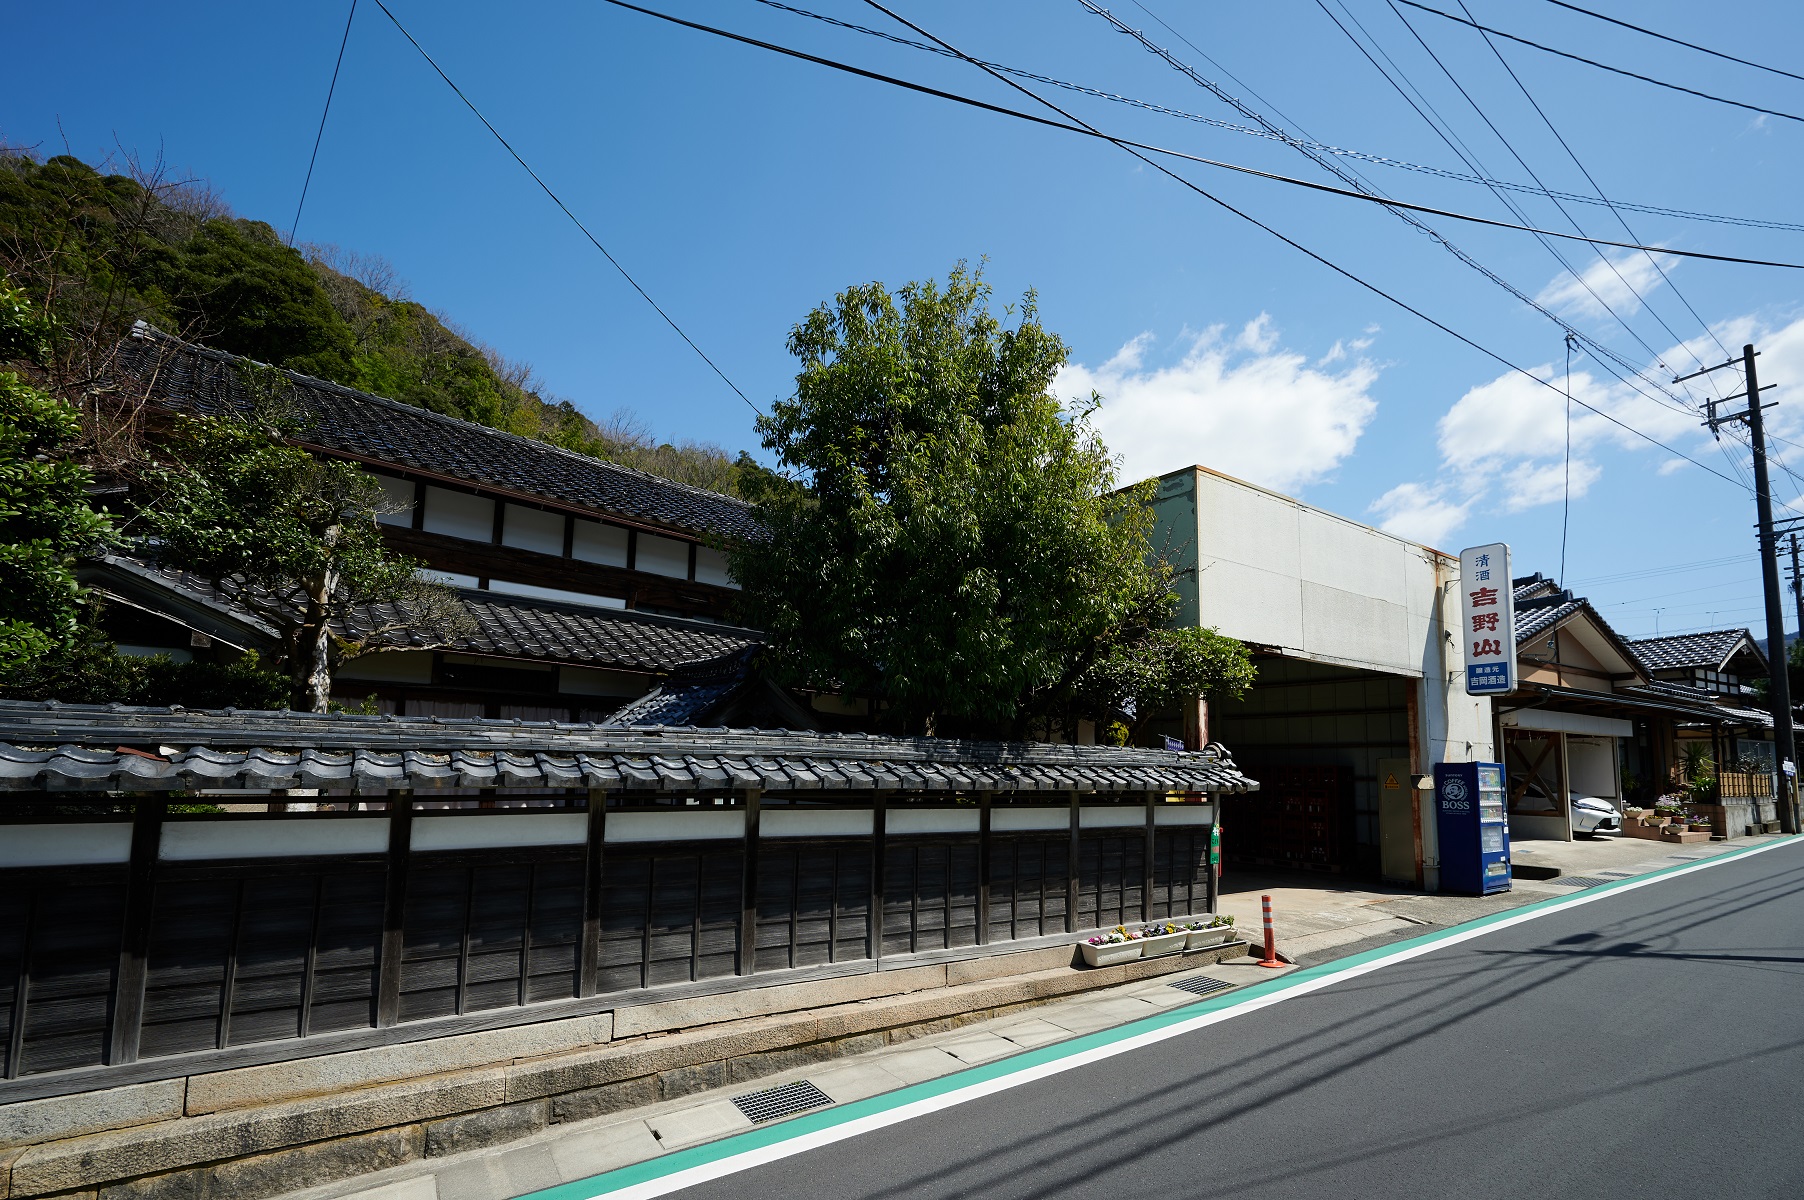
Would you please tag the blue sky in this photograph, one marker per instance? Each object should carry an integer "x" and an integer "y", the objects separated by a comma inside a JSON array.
[{"x": 741, "y": 189}]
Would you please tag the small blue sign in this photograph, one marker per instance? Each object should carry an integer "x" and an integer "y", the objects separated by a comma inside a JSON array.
[
  {"x": 1488, "y": 677},
  {"x": 1173, "y": 744}
]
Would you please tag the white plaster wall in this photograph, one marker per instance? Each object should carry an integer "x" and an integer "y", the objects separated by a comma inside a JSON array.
[
  {"x": 273, "y": 838},
  {"x": 1185, "y": 814},
  {"x": 931, "y": 820},
  {"x": 1011, "y": 819},
  {"x": 500, "y": 829},
  {"x": 1126, "y": 816},
  {"x": 674, "y": 826},
  {"x": 814, "y": 822},
  {"x": 64, "y": 845}
]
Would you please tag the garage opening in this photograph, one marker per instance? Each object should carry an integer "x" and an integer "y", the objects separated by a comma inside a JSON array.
[{"x": 1313, "y": 735}]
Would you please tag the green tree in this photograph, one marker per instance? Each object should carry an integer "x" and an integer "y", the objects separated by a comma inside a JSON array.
[
  {"x": 291, "y": 537},
  {"x": 45, "y": 517},
  {"x": 948, "y": 539},
  {"x": 1143, "y": 682}
]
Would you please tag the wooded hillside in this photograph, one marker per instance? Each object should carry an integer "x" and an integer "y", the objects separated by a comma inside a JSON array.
[{"x": 102, "y": 250}]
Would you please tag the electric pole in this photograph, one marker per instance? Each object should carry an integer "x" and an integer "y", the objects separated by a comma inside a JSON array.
[
  {"x": 1779, "y": 689},
  {"x": 1797, "y": 585}
]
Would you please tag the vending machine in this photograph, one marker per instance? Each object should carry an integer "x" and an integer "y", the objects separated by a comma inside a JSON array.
[{"x": 1474, "y": 832}]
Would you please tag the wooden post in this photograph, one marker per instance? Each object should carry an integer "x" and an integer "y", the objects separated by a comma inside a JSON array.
[
  {"x": 1071, "y": 867},
  {"x": 983, "y": 868},
  {"x": 588, "y": 975},
  {"x": 1212, "y": 883},
  {"x": 748, "y": 915},
  {"x": 1146, "y": 880},
  {"x": 394, "y": 909},
  {"x": 879, "y": 852},
  {"x": 134, "y": 942}
]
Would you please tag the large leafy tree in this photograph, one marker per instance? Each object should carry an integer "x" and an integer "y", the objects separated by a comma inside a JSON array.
[
  {"x": 946, "y": 538},
  {"x": 292, "y": 537},
  {"x": 45, "y": 517}
]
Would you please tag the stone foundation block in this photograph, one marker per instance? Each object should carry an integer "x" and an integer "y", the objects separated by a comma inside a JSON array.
[
  {"x": 600, "y": 1101},
  {"x": 486, "y": 1127}
]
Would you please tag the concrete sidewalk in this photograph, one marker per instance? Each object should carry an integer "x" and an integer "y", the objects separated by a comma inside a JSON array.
[
  {"x": 1319, "y": 916},
  {"x": 568, "y": 1152}
]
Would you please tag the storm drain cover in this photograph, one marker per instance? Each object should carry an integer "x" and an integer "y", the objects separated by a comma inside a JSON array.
[
  {"x": 1583, "y": 881},
  {"x": 784, "y": 1101},
  {"x": 1615, "y": 874},
  {"x": 1202, "y": 985}
]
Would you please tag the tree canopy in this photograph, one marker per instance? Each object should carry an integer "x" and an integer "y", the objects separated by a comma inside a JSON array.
[
  {"x": 946, "y": 538},
  {"x": 102, "y": 250},
  {"x": 45, "y": 517}
]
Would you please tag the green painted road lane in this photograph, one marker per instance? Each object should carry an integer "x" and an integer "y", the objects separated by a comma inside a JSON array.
[{"x": 1529, "y": 1046}]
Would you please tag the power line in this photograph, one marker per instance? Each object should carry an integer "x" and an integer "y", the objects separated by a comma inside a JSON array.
[
  {"x": 1444, "y": 130},
  {"x": 319, "y": 136},
  {"x": 1371, "y": 287},
  {"x": 1670, "y": 569},
  {"x": 1086, "y": 130},
  {"x": 1136, "y": 151},
  {"x": 1514, "y": 153},
  {"x": 1771, "y": 112},
  {"x": 546, "y": 188},
  {"x": 1677, "y": 41},
  {"x": 1281, "y": 136},
  {"x": 1620, "y": 219}
]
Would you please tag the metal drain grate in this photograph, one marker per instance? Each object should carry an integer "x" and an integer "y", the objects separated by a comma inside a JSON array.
[
  {"x": 784, "y": 1101},
  {"x": 1202, "y": 985},
  {"x": 1616, "y": 874},
  {"x": 1581, "y": 881}
]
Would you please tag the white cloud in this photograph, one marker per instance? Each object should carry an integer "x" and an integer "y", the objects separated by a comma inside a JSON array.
[
  {"x": 1672, "y": 466},
  {"x": 1241, "y": 405},
  {"x": 1608, "y": 281},
  {"x": 1549, "y": 483},
  {"x": 1419, "y": 512}
]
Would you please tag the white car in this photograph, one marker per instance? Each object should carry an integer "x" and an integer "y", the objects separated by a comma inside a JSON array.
[{"x": 1589, "y": 814}]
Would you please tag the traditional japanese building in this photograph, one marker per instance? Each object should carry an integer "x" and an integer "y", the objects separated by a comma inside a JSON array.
[{"x": 587, "y": 581}]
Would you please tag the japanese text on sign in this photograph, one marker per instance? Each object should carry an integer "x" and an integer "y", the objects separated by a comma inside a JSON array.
[{"x": 1488, "y": 618}]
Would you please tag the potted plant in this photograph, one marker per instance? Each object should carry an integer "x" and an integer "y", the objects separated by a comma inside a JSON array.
[
  {"x": 1162, "y": 937},
  {"x": 1216, "y": 932},
  {"x": 1115, "y": 946}
]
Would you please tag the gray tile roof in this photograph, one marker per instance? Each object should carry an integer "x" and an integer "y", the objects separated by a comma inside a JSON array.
[
  {"x": 1710, "y": 650},
  {"x": 511, "y": 626},
  {"x": 185, "y": 376},
  {"x": 1532, "y": 622},
  {"x": 45, "y": 746},
  {"x": 690, "y": 694}
]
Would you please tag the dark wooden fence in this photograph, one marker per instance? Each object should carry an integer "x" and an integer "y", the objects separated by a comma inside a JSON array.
[{"x": 115, "y": 963}]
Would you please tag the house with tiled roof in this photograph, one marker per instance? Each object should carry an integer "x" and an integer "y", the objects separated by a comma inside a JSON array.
[
  {"x": 1597, "y": 715},
  {"x": 587, "y": 582}
]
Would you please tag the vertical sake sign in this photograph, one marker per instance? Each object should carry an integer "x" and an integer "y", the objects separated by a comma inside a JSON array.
[{"x": 1488, "y": 619}]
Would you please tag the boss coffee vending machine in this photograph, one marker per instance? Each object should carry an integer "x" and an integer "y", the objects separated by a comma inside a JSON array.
[{"x": 1475, "y": 834}]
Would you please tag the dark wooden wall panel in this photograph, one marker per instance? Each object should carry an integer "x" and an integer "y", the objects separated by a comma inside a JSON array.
[
  {"x": 929, "y": 895},
  {"x": 1111, "y": 873},
  {"x": 63, "y": 939},
  {"x": 193, "y": 927},
  {"x": 625, "y": 912},
  {"x": 1027, "y": 885},
  {"x": 346, "y": 948},
  {"x": 1180, "y": 872},
  {"x": 269, "y": 979},
  {"x": 813, "y": 904}
]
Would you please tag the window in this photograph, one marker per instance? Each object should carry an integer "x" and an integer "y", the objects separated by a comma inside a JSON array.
[{"x": 711, "y": 567}]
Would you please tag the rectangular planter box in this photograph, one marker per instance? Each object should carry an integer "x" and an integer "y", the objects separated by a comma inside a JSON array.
[
  {"x": 1694, "y": 835},
  {"x": 1109, "y": 955},
  {"x": 1198, "y": 939},
  {"x": 1165, "y": 943}
]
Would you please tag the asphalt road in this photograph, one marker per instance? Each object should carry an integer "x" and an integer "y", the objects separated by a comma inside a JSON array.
[{"x": 1650, "y": 1044}]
